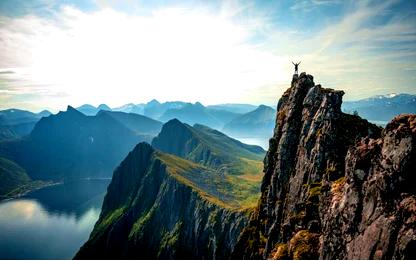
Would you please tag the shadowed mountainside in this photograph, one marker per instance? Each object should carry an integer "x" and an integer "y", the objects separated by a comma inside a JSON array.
[
  {"x": 72, "y": 145},
  {"x": 15, "y": 123},
  {"x": 257, "y": 123},
  {"x": 161, "y": 206}
]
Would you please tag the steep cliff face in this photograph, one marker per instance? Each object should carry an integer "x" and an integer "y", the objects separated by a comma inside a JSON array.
[
  {"x": 334, "y": 185},
  {"x": 161, "y": 206},
  {"x": 371, "y": 213}
]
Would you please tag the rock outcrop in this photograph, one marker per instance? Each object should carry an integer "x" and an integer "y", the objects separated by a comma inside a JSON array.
[{"x": 335, "y": 185}]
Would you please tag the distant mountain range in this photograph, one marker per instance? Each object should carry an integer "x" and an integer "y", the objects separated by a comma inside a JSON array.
[
  {"x": 197, "y": 113},
  {"x": 15, "y": 123},
  {"x": 73, "y": 145},
  {"x": 90, "y": 110},
  {"x": 233, "y": 107},
  {"x": 259, "y": 122},
  {"x": 382, "y": 107},
  {"x": 238, "y": 120}
]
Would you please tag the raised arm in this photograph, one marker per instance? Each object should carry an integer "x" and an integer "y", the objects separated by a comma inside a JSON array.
[
  {"x": 299, "y": 62},
  {"x": 293, "y": 63}
]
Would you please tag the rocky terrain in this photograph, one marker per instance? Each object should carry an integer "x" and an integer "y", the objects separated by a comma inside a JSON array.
[
  {"x": 335, "y": 186},
  {"x": 158, "y": 207}
]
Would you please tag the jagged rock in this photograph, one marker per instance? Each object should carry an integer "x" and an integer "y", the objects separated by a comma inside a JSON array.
[
  {"x": 374, "y": 212},
  {"x": 335, "y": 177}
]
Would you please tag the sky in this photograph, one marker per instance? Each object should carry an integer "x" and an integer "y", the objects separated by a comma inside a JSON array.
[{"x": 59, "y": 52}]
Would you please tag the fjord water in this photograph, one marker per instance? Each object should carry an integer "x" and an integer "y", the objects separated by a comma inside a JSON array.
[{"x": 50, "y": 223}]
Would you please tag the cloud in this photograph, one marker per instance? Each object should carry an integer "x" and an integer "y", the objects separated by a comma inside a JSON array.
[
  {"x": 365, "y": 52},
  {"x": 175, "y": 53},
  {"x": 310, "y": 5},
  {"x": 232, "y": 53},
  {"x": 6, "y": 72}
]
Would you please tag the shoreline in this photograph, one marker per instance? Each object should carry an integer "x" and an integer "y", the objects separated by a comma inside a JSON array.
[
  {"x": 32, "y": 186},
  {"x": 37, "y": 184}
]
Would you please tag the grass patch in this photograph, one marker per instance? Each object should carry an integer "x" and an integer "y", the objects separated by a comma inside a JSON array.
[
  {"x": 230, "y": 191},
  {"x": 109, "y": 219}
]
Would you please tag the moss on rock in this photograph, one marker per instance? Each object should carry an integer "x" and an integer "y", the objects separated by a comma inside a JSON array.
[{"x": 304, "y": 245}]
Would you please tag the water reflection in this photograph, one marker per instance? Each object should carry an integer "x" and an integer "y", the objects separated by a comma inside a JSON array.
[
  {"x": 259, "y": 141},
  {"x": 51, "y": 223}
]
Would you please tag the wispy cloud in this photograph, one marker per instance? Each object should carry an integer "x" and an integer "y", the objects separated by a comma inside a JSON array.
[
  {"x": 310, "y": 5},
  {"x": 232, "y": 53}
]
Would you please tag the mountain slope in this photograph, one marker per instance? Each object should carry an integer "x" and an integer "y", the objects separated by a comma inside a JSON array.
[
  {"x": 138, "y": 123},
  {"x": 335, "y": 186},
  {"x": 155, "y": 109},
  {"x": 16, "y": 116},
  {"x": 191, "y": 114},
  {"x": 131, "y": 108},
  {"x": 209, "y": 147},
  {"x": 12, "y": 177},
  {"x": 90, "y": 110},
  {"x": 156, "y": 209},
  {"x": 382, "y": 107},
  {"x": 72, "y": 145},
  {"x": 16, "y": 123},
  {"x": 259, "y": 122}
]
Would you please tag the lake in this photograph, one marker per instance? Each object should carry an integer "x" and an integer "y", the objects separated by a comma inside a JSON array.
[
  {"x": 50, "y": 223},
  {"x": 259, "y": 141}
]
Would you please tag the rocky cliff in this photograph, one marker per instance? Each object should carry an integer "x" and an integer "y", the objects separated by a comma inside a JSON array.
[
  {"x": 335, "y": 186},
  {"x": 161, "y": 206}
]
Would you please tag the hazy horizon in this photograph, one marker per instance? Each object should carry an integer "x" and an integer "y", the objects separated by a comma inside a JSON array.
[{"x": 56, "y": 53}]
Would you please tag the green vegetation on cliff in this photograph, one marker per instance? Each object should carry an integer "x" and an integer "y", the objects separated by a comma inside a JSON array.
[
  {"x": 234, "y": 169},
  {"x": 161, "y": 206}
]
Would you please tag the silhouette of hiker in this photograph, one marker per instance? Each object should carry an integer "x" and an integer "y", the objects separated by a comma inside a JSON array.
[{"x": 296, "y": 67}]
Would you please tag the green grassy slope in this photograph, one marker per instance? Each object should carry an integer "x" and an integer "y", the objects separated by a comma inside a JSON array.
[
  {"x": 223, "y": 190},
  {"x": 233, "y": 168}
]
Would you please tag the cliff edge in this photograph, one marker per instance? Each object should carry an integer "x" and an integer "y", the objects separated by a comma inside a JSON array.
[{"x": 335, "y": 185}]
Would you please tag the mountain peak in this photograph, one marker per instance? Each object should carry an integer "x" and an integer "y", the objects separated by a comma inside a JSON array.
[
  {"x": 71, "y": 109},
  {"x": 44, "y": 113},
  {"x": 173, "y": 122},
  {"x": 104, "y": 107},
  {"x": 307, "y": 156},
  {"x": 142, "y": 148},
  {"x": 153, "y": 102},
  {"x": 198, "y": 104},
  {"x": 264, "y": 107}
]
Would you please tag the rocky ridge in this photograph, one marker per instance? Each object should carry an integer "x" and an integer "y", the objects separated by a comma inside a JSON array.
[
  {"x": 153, "y": 209},
  {"x": 335, "y": 186}
]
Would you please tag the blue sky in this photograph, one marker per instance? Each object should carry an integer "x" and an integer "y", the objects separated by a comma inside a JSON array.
[{"x": 55, "y": 53}]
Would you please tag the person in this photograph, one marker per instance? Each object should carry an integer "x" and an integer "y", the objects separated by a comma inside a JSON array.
[{"x": 296, "y": 67}]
